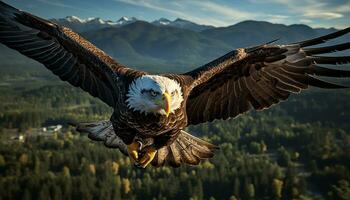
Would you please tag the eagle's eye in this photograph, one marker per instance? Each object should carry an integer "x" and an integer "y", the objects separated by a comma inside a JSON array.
[{"x": 153, "y": 93}]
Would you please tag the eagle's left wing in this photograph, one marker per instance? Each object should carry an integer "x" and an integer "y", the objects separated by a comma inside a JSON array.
[{"x": 260, "y": 77}]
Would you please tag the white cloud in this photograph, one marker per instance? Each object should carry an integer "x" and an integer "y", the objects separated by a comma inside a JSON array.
[
  {"x": 312, "y": 8},
  {"x": 345, "y": 8},
  {"x": 155, "y": 5},
  {"x": 206, "y": 12},
  {"x": 276, "y": 18},
  {"x": 63, "y": 5},
  {"x": 218, "y": 14},
  {"x": 222, "y": 10},
  {"x": 323, "y": 15},
  {"x": 223, "y": 15},
  {"x": 146, "y": 4}
]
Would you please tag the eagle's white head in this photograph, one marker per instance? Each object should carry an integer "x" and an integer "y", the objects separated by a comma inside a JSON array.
[{"x": 154, "y": 94}]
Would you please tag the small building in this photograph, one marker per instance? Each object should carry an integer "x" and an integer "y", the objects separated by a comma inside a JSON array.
[
  {"x": 54, "y": 128},
  {"x": 18, "y": 137}
]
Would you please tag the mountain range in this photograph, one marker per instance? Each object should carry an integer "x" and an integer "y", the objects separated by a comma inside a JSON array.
[
  {"x": 95, "y": 23},
  {"x": 169, "y": 46}
]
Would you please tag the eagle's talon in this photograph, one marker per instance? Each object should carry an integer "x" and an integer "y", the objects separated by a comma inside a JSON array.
[
  {"x": 133, "y": 151},
  {"x": 137, "y": 165},
  {"x": 149, "y": 154}
]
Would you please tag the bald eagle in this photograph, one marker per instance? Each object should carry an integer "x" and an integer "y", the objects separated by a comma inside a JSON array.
[{"x": 152, "y": 111}]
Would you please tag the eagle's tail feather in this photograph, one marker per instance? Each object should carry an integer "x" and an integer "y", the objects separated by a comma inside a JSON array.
[
  {"x": 102, "y": 131},
  {"x": 185, "y": 149}
]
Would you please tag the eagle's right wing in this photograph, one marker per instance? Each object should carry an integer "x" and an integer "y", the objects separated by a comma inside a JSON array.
[{"x": 64, "y": 52}]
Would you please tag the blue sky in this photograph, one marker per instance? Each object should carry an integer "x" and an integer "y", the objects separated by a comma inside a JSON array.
[{"x": 316, "y": 13}]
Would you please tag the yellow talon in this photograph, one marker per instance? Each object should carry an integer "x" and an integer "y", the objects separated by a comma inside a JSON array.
[
  {"x": 150, "y": 152},
  {"x": 133, "y": 151}
]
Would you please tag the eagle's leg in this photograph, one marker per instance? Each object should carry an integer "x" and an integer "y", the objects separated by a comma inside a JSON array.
[
  {"x": 149, "y": 154},
  {"x": 133, "y": 150}
]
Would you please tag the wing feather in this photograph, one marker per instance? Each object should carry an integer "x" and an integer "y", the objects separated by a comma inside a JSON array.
[{"x": 261, "y": 76}]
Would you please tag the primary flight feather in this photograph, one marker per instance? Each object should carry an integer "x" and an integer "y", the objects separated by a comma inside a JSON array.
[{"x": 152, "y": 111}]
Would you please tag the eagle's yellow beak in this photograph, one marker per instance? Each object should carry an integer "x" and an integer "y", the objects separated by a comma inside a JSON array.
[{"x": 167, "y": 101}]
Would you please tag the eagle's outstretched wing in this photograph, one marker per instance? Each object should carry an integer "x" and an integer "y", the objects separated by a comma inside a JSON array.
[
  {"x": 260, "y": 77},
  {"x": 62, "y": 51}
]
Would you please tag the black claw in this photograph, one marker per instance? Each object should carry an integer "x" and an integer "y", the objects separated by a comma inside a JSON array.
[{"x": 138, "y": 166}]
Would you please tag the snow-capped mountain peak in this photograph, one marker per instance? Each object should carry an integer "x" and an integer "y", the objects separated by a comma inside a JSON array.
[
  {"x": 123, "y": 19},
  {"x": 95, "y": 20},
  {"x": 180, "y": 23},
  {"x": 126, "y": 20},
  {"x": 162, "y": 21},
  {"x": 94, "y": 23},
  {"x": 110, "y": 22},
  {"x": 74, "y": 19},
  {"x": 180, "y": 20}
]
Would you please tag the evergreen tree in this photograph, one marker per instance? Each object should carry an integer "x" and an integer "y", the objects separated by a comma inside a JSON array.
[
  {"x": 277, "y": 188},
  {"x": 126, "y": 186},
  {"x": 66, "y": 172},
  {"x": 249, "y": 191}
]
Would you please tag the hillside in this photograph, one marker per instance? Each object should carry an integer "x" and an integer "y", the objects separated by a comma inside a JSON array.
[
  {"x": 248, "y": 33},
  {"x": 143, "y": 44},
  {"x": 169, "y": 49}
]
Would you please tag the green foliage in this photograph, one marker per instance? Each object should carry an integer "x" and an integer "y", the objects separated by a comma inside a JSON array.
[
  {"x": 88, "y": 170},
  {"x": 284, "y": 158},
  {"x": 341, "y": 191},
  {"x": 277, "y": 186},
  {"x": 49, "y": 105}
]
